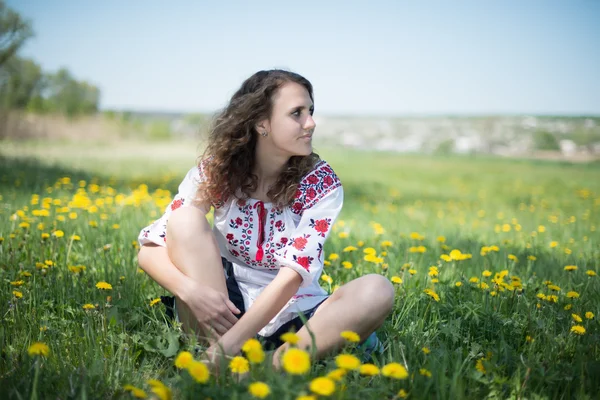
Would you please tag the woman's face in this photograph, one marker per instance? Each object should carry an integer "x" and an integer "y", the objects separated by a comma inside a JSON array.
[{"x": 291, "y": 125}]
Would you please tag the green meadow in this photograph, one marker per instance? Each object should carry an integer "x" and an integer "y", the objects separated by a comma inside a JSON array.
[{"x": 494, "y": 262}]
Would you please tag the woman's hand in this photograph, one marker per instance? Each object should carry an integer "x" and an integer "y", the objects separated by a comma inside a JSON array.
[
  {"x": 212, "y": 309},
  {"x": 221, "y": 351}
]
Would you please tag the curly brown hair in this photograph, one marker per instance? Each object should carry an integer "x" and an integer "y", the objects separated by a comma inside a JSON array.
[{"x": 229, "y": 157}]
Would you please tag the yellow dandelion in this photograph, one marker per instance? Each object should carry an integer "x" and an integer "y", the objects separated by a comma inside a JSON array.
[
  {"x": 402, "y": 394},
  {"x": 347, "y": 264},
  {"x": 103, "y": 285},
  {"x": 347, "y": 361},
  {"x": 589, "y": 272},
  {"x": 295, "y": 361},
  {"x": 45, "y": 236},
  {"x": 159, "y": 389},
  {"x": 197, "y": 370},
  {"x": 568, "y": 307},
  {"x": 571, "y": 268},
  {"x": 348, "y": 249},
  {"x": 343, "y": 235},
  {"x": 322, "y": 386},
  {"x": 259, "y": 389},
  {"x": 333, "y": 256},
  {"x": 576, "y": 318},
  {"x": 589, "y": 315},
  {"x": 88, "y": 306},
  {"x": 58, "y": 234},
  {"x": 412, "y": 271},
  {"x": 487, "y": 273},
  {"x": 458, "y": 284},
  {"x": 337, "y": 374},
  {"x": 479, "y": 366},
  {"x": 17, "y": 294},
  {"x": 432, "y": 294},
  {"x": 572, "y": 295},
  {"x": 394, "y": 370},
  {"x": 239, "y": 365},
  {"x": 368, "y": 370},
  {"x": 350, "y": 336},
  {"x": 154, "y": 301},
  {"x": 253, "y": 350},
  {"x": 425, "y": 372},
  {"x": 578, "y": 329},
  {"x": 183, "y": 359},
  {"x": 290, "y": 337},
  {"x": 17, "y": 283},
  {"x": 327, "y": 278},
  {"x": 426, "y": 350},
  {"x": 396, "y": 279},
  {"x": 39, "y": 349},
  {"x": 135, "y": 391}
]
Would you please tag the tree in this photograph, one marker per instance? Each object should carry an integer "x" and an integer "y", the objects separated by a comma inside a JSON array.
[{"x": 14, "y": 31}]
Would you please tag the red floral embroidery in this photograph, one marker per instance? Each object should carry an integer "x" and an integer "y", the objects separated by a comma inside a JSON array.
[
  {"x": 314, "y": 186},
  {"x": 229, "y": 236},
  {"x": 238, "y": 221},
  {"x": 304, "y": 261},
  {"x": 176, "y": 204},
  {"x": 321, "y": 225},
  {"x": 299, "y": 243}
]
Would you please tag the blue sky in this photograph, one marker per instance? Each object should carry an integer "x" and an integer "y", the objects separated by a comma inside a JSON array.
[{"x": 363, "y": 57}]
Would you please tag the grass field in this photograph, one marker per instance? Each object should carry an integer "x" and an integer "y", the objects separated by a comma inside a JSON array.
[{"x": 494, "y": 263}]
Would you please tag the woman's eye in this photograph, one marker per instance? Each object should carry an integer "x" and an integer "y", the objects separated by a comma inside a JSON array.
[{"x": 297, "y": 112}]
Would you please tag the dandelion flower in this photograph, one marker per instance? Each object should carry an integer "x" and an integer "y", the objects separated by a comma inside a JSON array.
[
  {"x": 572, "y": 295},
  {"x": 590, "y": 272},
  {"x": 396, "y": 279},
  {"x": 39, "y": 349},
  {"x": 58, "y": 234},
  {"x": 322, "y": 386},
  {"x": 589, "y": 315},
  {"x": 183, "y": 359},
  {"x": 347, "y": 264},
  {"x": 17, "y": 283},
  {"x": 432, "y": 294},
  {"x": 159, "y": 389},
  {"x": 155, "y": 301},
  {"x": 259, "y": 389},
  {"x": 337, "y": 374},
  {"x": 369, "y": 370},
  {"x": 239, "y": 365},
  {"x": 290, "y": 337},
  {"x": 458, "y": 284},
  {"x": 425, "y": 372},
  {"x": 426, "y": 350},
  {"x": 88, "y": 306},
  {"x": 479, "y": 366},
  {"x": 135, "y": 392},
  {"x": 576, "y": 317},
  {"x": 197, "y": 370},
  {"x": 17, "y": 294},
  {"x": 486, "y": 273},
  {"x": 350, "y": 336},
  {"x": 348, "y": 249},
  {"x": 394, "y": 370},
  {"x": 104, "y": 285},
  {"x": 254, "y": 351},
  {"x": 333, "y": 256},
  {"x": 571, "y": 268},
  {"x": 295, "y": 361},
  {"x": 578, "y": 329},
  {"x": 402, "y": 394},
  {"x": 347, "y": 361}
]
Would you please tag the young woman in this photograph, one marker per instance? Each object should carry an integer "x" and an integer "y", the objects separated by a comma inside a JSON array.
[{"x": 274, "y": 204}]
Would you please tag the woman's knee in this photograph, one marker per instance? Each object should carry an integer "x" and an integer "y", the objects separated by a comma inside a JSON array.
[
  {"x": 187, "y": 222},
  {"x": 378, "y": 291}
]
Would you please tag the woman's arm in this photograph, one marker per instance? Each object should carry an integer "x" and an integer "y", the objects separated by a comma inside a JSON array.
[
  {"x": 272, "y": 299},
  {"x": 155, "y": 261}
]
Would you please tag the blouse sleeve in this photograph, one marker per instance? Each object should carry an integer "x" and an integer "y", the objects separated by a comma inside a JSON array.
[
  {"x": 304, "y": 250},
  {"x": 186, "y": 194}
]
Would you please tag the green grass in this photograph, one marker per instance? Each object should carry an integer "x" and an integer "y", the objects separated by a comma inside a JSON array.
[{"x": 472, "y": 202}]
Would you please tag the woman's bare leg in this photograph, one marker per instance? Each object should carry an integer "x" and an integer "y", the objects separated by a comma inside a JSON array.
[
  {"x": 193, "y": 249},
  {"x": 361, "y": 306}
]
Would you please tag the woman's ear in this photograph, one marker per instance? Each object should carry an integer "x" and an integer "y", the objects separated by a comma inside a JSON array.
[{"x": 262, "y": 127}]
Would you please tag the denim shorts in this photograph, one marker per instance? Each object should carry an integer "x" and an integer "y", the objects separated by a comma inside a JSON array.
[{"x": 235, "y": 295}]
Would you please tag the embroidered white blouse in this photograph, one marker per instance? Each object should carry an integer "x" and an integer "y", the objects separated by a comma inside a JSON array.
[{"x": 259, "y": 238}]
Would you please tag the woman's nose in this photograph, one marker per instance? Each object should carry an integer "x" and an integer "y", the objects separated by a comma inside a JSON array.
[{"x": 310, "y": 123}]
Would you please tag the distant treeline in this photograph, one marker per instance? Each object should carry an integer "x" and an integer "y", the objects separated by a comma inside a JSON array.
[{"x": 25, "y": 86}]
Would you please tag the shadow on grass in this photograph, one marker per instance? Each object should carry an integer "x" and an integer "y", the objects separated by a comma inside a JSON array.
[{"x": 27, "y": 176}]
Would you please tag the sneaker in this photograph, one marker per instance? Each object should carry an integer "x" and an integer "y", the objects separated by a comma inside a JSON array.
[{"x": 370, "y": 346}]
